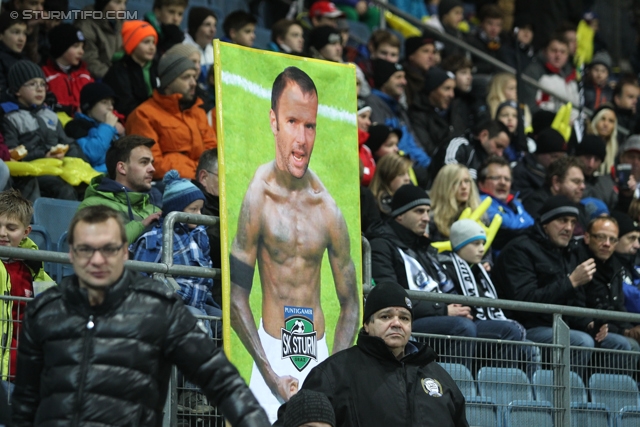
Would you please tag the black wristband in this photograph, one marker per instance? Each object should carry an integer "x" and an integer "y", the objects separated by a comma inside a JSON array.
[{"x": 241, "y": 273}]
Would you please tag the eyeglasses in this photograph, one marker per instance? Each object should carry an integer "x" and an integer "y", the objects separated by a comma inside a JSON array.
[
  {"x": 499, "y": 178},
  {"x": 601, "y": 238},
  {"x": 577, "y": 181},
  {"x": 36, "y": 85},
  {"x": 212, "y": 173},
  {"x": 87, "y": 252}
]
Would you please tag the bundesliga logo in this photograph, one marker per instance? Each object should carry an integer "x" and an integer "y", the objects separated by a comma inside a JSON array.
[{"x": 299, "y": 339}]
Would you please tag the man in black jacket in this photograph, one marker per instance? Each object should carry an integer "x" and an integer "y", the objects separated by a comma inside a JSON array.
[
  {"x": 605, "y": 289},
  {"x": 385, "y": 371},
  {"x": 401, "y": 253},
  {"x": 98, "y": 349},
  {"x": 543, "y": 267}
]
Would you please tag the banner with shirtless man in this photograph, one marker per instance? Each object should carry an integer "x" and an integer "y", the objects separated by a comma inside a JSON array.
[{"x": 289, "y": 186}]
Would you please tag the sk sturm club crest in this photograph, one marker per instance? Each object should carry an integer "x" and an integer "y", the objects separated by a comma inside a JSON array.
[{"x": 299, "y": 337}]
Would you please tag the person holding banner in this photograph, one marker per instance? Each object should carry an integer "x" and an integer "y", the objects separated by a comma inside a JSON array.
[{"x": 287, "y": 222}]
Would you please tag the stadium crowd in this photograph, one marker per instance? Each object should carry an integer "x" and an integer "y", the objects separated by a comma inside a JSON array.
[{"x": 438, "y": 132}]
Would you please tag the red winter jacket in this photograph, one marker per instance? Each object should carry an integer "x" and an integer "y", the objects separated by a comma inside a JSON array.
[
  {"x": 66, "y": 87},
  {"x": 369, "y": 165}
]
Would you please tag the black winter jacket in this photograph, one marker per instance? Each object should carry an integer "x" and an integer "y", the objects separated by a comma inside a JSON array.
[
  {"x": 528, "y": 176},
  {"x": 7, "y": 59},
  {"x": 604, "y": 292},
  {"x": 368, "y": 386},
  {"x": 126, "y": 78},
  {"x": 433, "y": 129},
  {"x": 109, "y": 365},
  {"x": 387, "y": 265},
  {"x": 532, "y": 269}
]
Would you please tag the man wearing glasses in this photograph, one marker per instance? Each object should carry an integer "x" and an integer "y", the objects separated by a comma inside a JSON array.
[
  {"x": 98, "y": 349},
  {"x": 494, "y": 180},
  {"x": 604, "y": 292}
]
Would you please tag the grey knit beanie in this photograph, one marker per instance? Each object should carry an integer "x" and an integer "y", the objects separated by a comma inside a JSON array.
[
  {"x": 21, "y": 72},
  {"x": 465, "y": 231},
  {"x": 171, "y": 67}
]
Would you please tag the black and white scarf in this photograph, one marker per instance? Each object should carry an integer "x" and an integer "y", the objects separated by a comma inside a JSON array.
[{"x": 477, "y": 288}]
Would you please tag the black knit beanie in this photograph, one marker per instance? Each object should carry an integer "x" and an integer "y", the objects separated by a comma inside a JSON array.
[
  {"x": 556, "y": 207},
  {"x": 408, "y": 197},
  {"x": 309, "y": 406},
  {"x": 21, "y": 72},
  {"x": 378, "y": 134},
  {"x": 62, "y": 37},
  {"x": 435, "y": 77},
  {"x": 592, "y": 145},
  {"x": 625, "y": 223},
  {"x": 99, "y": 5},
  {"x": 385, "y": 295},
  {"x": 92, "y": 93},
  {"x": 550, "y": 141},
  {"x": 383, "y": 70},
  {"x": 197, "y": 15},
  {"x": 445, "y": 6},
  {"x": 414, "y": 43}
]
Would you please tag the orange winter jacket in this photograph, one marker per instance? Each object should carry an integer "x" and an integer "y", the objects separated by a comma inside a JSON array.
[{"x": 181, "y": 136}]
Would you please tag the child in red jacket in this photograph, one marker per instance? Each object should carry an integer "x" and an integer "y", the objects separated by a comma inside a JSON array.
[{"x": 65, "y": 71}]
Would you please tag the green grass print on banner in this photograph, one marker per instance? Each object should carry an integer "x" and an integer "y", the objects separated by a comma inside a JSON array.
[{"x": 248, "y": 142}]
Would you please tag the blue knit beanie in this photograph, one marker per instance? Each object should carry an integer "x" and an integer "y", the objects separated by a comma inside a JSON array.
[{"x": 178, "y": 193}]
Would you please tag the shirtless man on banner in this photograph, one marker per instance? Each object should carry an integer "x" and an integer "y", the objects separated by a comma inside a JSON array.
[{"x": 287, "y": 222}]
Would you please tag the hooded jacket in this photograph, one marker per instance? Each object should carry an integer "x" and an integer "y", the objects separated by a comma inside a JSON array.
[
  {"x": 368, "y": 386},
  {"x": 7, "y": 344},
  {"x": 102, "y": 39},
  {"x": 388, "y": 264},
  {"x": 134, "y": 206},
  {"x": 67, "y": 86},
  {"x": 93, "y": 137},
  {"x": 37, "y": 128},
  {"x": 113, "y": 361},
  {"x": 181, "y": 135},
  {"x": 533, "y": 269},
  {"x": 390, "y": 112}
]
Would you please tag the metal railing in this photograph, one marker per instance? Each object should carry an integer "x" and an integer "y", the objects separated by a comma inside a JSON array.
[{"x": 517, "y": 357}]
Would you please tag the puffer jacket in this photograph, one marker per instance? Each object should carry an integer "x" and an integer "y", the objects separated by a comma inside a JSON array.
[
  {"x": 67, "y": 86},
  {"x": 368, "y": 387},
  {"x": 102, "y": 39},
  {"x": 181, "y": 135},
  {"x": 109, "y": 365},
  {"x": 6, "y": 307},
  {"x": 37, "y": 128},
  {"x": 532, "y": 269},
  {"x": 134, "y": 206}
]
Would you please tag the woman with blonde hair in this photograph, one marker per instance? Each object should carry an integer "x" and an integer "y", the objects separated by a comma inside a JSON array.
[
  {"x": 392, "y": 172},
  {"x": 453, "y": 191},
  {"x": 504, "y": 87},
  {"x": 604, "y": 123}
]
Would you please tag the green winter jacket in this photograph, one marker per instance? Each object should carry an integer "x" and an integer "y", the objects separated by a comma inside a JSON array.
[
  {"x": 6, "y": 306},
  {"x": 134, "y": 206}
]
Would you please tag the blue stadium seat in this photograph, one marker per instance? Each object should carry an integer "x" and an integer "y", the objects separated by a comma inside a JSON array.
[
  {"x": 40, "y": 237},
  {"x": 629, "y": 416},
  {"x": 522, "y": 413},
  {"x": 543, "y": 386},
  {"x": 590, "y": 415},
  {"x": 615, "y": 391},
  {"x": 504, "y": 385},
  {"x": 481, "y": 412},
  {"x": 54, "y": 215},
  {"x": 263, "y": 37},
  {"x": 63, "y": 270},
  {"x": 359, "y": 32},
  {"x": 463, "y": 378}
]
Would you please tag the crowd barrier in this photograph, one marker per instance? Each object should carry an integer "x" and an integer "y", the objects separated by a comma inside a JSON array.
[{"x": 505, "y": 383}]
